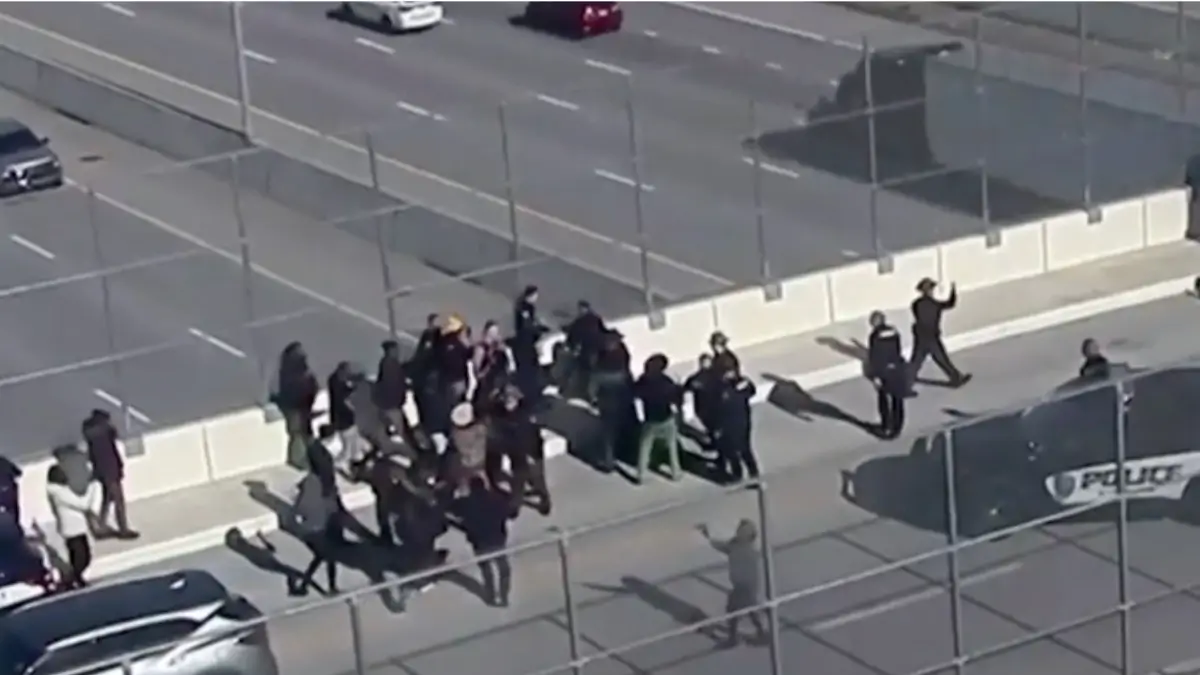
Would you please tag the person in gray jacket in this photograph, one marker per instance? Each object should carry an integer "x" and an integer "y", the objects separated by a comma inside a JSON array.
[{"x": 745, "y": 574}]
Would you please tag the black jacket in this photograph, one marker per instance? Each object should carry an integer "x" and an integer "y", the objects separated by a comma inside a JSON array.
[
  {"x": 885, "y": 352},
  {"x": 391, "y": 384},
  {"x": 485, "y": 519},
  {"x": 341, "y": 415}
]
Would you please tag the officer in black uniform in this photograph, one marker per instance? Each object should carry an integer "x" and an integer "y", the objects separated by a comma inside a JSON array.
[
  {"x": 927, "y": 332},
  {"x": 584, "y": 336},
  {"x": 724, "y": 360},
  {"x": 1095, "y": 365},
  {"x": 527, "y": 330},
  {"x": 734, "y": 422},
  {"x": 886, "y": 370}
]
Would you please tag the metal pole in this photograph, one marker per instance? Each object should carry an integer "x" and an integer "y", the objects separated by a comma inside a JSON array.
[
  {"x": 243, "y": 77},
  {"x": 510, "y": 192},
  {"x": 764, "y": 524},
  {"x": 635, "y": 161},
  {"x": 564, "y": 560},
  {"x": 1123, "y": 536},
  {"x": 385, "y": 265},
  {"x": 1084, "y": 140},
  {"x": 872, "y": 159},
  {"x": 1181, "y": 88},
  {"x": 248, "y": 306},
  {"x": 760, "y": 210},
  {"x": 126, "y": 666},
  {"x": 985, "y": 202},
  {"x": 106, "y": 303},
  {"x": 952, "y": 557},
  {"x": 360, "y": 667}
]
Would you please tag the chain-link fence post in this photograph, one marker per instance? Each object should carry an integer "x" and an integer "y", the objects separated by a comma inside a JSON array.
[
  {"x": 118, "y": 397},
  {"x": 243, "y": 76},
  {"x": 510, "y": 194},
  {"x": 1181, "y": 86},
  {"x": 564, "y": 563},
  {"x": 883, "y": 258},
  {"x": 991, "y": 234},
  {"x": 760, "y": 208},
  {"x": 768, "y": 561},
  {"x": 635, "y": 165},
  {"x": 1122, "y": 403},
  {"x": 249, "y": 309},
  {"x": 1085, "y": 151},
  {"x": 381, "y": 241},
  {"x": 356, "y": 635},
  {"x": 952, "y": 529}
]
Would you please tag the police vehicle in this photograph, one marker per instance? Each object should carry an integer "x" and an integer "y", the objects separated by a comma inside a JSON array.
[{"x": 1061, "y": 453}]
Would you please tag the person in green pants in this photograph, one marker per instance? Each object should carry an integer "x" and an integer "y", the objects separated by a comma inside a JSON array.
[{"x": 660, "y": 398}]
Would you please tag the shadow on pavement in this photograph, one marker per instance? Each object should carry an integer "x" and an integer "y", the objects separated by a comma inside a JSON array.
[{"x": 791, "y": 398}]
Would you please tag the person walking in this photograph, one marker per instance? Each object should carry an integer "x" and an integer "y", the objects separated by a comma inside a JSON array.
[
  {"x": 660, "y": 399},
  {"x": 927, "y": 333},
  {"x": 745, "y": 572},
  {"x": 319, "y": 524},
  {"x": 295, "y": 393},
  {"x": 485, "y": 516},
  {"x": 108, "y": 468},
  {"x": 72, "y": 515}
]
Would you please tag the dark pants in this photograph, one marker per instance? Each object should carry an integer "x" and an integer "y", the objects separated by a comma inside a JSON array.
[
  {"x": 298, "y": 424},
  {"x": 79, "y": 558},
  {"x": 529, "y": 373},
  {"x": 612, "y": 396},
  {"x": 736, "y": 454},
  {"x": 496, "y": 574},
  {"x": 529, "y": 475},
  {"x": 890, "y": 399},
  {"x": 931, "y": 347},
  {"x": 112, "y": 497},
  {"x": 324, "y": 546}
]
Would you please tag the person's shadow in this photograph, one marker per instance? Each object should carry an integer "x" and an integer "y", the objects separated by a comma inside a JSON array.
[
  {"x": 260, "y": 553},
  {"x": 282, "y": 509},
  {"x": 791, "y": 398},
  {"x": 682, "y": 612}
]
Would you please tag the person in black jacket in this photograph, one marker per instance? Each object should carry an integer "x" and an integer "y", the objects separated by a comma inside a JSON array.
[
  {"x": 1095, "y": 365},
  {"x": 522, "y": 441},
  {"x": 584, "y": 336},
  {"x": 734, "y": 424},
  {"x": 927, "y": 333},
  {"x": 391, "y": 389},
  {"x": 10, "y": 497},
  {"x": 340, "y": 387},
  {"x": 661, "y": 398},
  {"x": 421, "y": 370},
  {"x": 296, "y": 394},
  {"x": 485, "y": 521},
  {"x": 612, "y": 390},
  {"x": 528, "y": 329},
  {"x": 705, "y": 385},
  {"x": 108, "y": 468},
  {"x": 724, "y": 359},
  {"x": 886, "y": 370}
]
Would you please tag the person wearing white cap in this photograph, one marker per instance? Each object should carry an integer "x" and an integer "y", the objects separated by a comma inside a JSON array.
[{"x": 468, "y": 439}]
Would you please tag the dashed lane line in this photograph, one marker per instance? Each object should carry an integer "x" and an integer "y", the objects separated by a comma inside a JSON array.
[
  {"x": 30, "y": 246},
  {"x": 118, "y": 403},
  {"x": 218, "y": 343}
]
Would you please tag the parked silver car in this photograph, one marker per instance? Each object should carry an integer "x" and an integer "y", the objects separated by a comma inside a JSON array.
[
  {"x": 183, "y": 623},
  {"x": 26, "y": 161}
]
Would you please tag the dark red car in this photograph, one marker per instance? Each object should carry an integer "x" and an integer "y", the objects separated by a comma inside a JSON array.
[{"x": 574, "y": 19}]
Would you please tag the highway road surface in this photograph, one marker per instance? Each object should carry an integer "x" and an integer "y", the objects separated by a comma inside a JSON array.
[
  {"x": 636, "y": 580},
  {"x": 189, "y": 336},
  {"x": 433, "y": 98}
]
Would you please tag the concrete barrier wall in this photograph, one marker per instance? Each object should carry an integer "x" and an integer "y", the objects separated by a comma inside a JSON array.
[{"x": 232, "y": 444}]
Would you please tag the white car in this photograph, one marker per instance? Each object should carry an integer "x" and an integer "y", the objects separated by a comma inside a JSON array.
[{"x": 400, "y": 15}]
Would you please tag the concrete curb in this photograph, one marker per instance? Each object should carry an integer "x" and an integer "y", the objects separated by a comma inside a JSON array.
[{"x": 361, "y": 497}]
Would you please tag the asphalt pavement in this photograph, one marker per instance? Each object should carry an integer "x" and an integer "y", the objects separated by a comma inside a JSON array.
[
  {"x": 433, "y": 100},
  {"x": 192, "y": 341},
  {"x": 638, "y": 579}
]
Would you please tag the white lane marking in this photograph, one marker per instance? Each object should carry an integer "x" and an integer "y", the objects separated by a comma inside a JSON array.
[
  {"x": 116, "y": 402},
  {"x": 709, "y": 49},
  {"x": 850, "y": 253},
  {"x": 618, "y": 178},
  {"x": 911, "y": 599},
  {"x": 448, "y": 21},
  {"x": 772, "y": 168},
  {"x": 650, "y": 33},
  {"x": 123, "y": 11},
  {"x": 29, "y": 245},
  {"x": 774, "y": 66},
  {"x": 232, "y": 104},
  {"x": 557, "y": 102},
  {"x": 759, "y": 23},
  {"x": 602, "y": 65},
  {"x": 371, "y": 44},
  {"x": 218, "y": 343},
  {"x": 257, "y": 56},
  {"x": 419, "y": 111}
]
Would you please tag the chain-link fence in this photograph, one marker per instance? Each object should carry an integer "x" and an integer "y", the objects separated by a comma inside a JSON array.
[{"x": 1056, "y": 537}]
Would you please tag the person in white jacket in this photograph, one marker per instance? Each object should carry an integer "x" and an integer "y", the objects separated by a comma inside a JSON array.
[{"x": 72, "y": 516}]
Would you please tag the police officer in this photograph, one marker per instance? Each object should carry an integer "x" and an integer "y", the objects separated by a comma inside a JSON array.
[
  {"x": 1095, "y": 365},
  {"x": 391, "y": 389},
  {"x": 927, "y": 332},
  {"x": 527, "y": 330},
  {"x": 724, "y": 359},
  {"x": 583, "y": 337},
  {"x": 421, "y": 369},
  {"x": 886, "y": 370},
  {"x": 612, "y": 388},
  {"x": 705, "y": 385},
  {"x": 733, "y": 435}
]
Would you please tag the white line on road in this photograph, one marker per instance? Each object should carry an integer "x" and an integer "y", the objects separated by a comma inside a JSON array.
[
  {"x": 618, "y": 178},
  {"x": 709, "y": 49},
  {"x": 911, "y": 599},
  {"x": 448, "y": 21},
  {"x": 123, "y": 11},
  {"x": 114, "y": 401},
  {"x": 29, "y": 245},
  {"x": 650, "y": 33},
  {"x": 251, "y": 54},
  {"x": 759, "y": 23},
  {"x": 419, "y": 111},
  {"x": 772, "y": 168},
  {"x": 851, "y": 253},
  {"x": 218, "y": 343},
  {"x": 602, "y": 65},
  {"x": 557, "y": 102},
  {"x": 774, "y": 66},
  {"x": 371, "y": 44}
]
